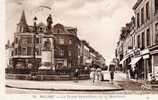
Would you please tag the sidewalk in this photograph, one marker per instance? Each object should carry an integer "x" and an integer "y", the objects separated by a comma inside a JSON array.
[{"x": 83, "y": 85}]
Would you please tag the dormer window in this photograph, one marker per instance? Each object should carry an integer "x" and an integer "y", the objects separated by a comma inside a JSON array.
[
  {"x": 58, "y": 31},
  {"x": 59, "y": 28}
]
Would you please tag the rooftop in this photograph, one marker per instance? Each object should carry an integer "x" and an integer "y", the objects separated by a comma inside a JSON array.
[{"x": 137, "y": 4}]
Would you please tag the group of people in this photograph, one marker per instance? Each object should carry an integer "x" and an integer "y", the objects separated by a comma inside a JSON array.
[{"x": 96, "y": 75}]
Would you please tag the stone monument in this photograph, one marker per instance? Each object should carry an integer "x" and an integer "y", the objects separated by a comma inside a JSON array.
[{"x": 47, "y": 51}]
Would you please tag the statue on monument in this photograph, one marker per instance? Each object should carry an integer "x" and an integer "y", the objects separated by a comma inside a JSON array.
[{"x": 49, "y": 23}]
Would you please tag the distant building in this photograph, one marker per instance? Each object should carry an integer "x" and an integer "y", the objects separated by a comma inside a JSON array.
[
  {"x": 90, "y": 56},
  {"x": 67, "y": 46}
]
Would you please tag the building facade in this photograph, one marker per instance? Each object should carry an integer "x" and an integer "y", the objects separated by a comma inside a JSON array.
[
  {"x": 67, "y": 50},
  {"x": 125, "y": 46},
  {"x": 143, "y": 37},
  {"x": 67, "y": 46},
  {"x": 146, "y": 21},
  {"x": 89, "y": 56}
]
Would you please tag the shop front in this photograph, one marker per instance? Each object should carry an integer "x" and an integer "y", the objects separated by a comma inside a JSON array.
[
  {"x": 154, "y": 54},
  {"x": 147, "y": 63},
  {"x": 124, "y": 63},
  {"x": 136, "y": 67},
  {"x": 141, "y": 64}
]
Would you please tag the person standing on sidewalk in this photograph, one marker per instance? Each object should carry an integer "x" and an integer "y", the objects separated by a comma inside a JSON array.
[
  {"x": 112, "y": 70},
  {"x": 112, "y": 75}
]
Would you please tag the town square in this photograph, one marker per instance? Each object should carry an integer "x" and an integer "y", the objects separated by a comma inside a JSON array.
[{"x": 81, "y": 47}]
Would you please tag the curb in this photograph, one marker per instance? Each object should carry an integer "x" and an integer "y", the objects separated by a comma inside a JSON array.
[
  {"x": 137, "y": 81},
  {"x": 51, "y": 89}
]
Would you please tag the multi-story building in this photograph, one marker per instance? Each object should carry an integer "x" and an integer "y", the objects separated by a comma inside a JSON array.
[
  {"x": 90, "y": 55},
  {"x": 154, "y": 46},
  {"x": 23, "y": 43},
  {"x": 87, "y": 53},
  {"x": 144, "y": 51},
  {"x": 146, "y": 23},
  {"x": 119, "y": 50},
  {"x": 68, "y": 50},
  {"x": 125, "y": 45},
  {"x": 119, "y": 55},
  {"x": 100, "y": 60},
  {"x": 67, "y": 46}
]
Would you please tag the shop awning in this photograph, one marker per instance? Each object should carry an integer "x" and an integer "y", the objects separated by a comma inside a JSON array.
[
  {"x": 135, "y": 60},
  {"x": 121, "y": 62}
]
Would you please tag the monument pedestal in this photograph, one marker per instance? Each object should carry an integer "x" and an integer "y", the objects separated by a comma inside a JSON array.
[
  {"x": 47, "y": 53},
  {"x": 46, "y": 60}
]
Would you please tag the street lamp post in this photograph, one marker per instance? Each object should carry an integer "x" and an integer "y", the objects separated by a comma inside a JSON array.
[{"x": 34, "y": 44}]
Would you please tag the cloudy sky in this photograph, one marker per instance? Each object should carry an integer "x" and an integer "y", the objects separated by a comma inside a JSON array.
[{"x": 98, "y": 21}]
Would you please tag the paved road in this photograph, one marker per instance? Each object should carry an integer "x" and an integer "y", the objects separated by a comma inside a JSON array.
[
  {"x": 25, "y": 91},
  {"x": 130, "y": 87}
]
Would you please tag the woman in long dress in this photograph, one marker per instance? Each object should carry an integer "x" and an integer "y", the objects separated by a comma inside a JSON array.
[{"x": 92, "y": 75}]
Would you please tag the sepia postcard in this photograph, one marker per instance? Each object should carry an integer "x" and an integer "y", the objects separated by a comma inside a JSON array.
[{"x": 79, "y": 49}]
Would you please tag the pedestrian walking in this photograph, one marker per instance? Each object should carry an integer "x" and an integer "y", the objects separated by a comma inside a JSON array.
[
  {"x": 100, "y": 75},
  {"x": 76, "y": 74},
  {"x": 112, "y": 75},
  {"x": 96, "y": 75},
  {"x": 92, "y": 75},
  {"x": 112, "y": 70}
]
